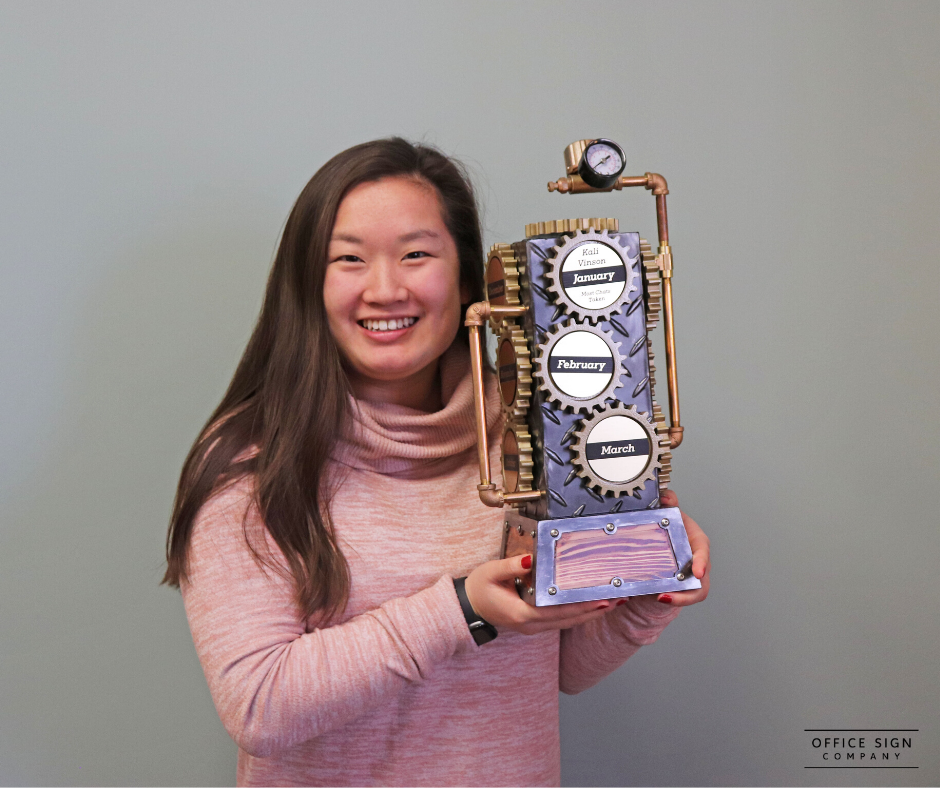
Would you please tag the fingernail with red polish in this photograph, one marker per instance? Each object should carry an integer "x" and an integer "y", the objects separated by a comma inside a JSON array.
[
  {"x": 527, "y": 562},
  {"x": 665, "y": 599},
  {"x": 621, "y": 602}
]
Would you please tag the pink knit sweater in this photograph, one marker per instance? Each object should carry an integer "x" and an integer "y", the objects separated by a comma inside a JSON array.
[{"x": 395, "y": 692}]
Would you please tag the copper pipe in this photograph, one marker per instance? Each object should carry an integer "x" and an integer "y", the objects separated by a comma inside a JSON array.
[
  {"x": 574, "y": 184},
  {"x": 520, "y": 497},
  {"x": 675, "y": 431},
  {"x": 662, "y": 226},
  {"x": 496, "y": 498},
  {"x": 479, "y": 400},
  {"x": 655, "y": 183},
  {"x": 501, "y": 313},
  {"x": 477, "y": 315},
  {"x": 633, "y": 180},
  {"x": 490, "y": 495},
  {"x": 480, "y": 312}
]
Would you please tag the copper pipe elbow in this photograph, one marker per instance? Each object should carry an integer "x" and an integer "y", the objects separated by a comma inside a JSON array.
[
  {"x": 656, "y": 183},
  {"x": 675, "y": 436},
  {"x": 477, "y": 314},
  {"x": 490, "y": 495}
]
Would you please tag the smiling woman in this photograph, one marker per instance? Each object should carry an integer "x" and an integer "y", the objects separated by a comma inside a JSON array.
[
  {"x": 392, "y": 290},
  {"x": 338, "y": 568}
]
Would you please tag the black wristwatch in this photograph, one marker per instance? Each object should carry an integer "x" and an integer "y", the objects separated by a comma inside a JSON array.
[{"x": 481, "y": 629}]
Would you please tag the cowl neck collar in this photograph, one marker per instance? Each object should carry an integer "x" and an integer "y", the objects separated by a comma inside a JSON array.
[{"x": 395, "y": 440}]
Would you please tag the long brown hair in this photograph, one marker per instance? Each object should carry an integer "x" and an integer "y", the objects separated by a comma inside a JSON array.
[{"x": 287, "y": 404}]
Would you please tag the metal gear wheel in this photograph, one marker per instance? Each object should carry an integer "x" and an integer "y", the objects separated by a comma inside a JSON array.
[
  {"x": 591, "y": 345},
  {"x": 652, "y": 278},
  {"x": 578, "y": 300},
  {"x": 650, "y": 356},
  {"x": 502, "y": 278},
  {"x": 624, "y": 435},
  {"x": 662, "y": 429},
  {"x": 514, "y": 367},
  {"x": 516, "y": 457},
  {"x": 570, "y": 225}
]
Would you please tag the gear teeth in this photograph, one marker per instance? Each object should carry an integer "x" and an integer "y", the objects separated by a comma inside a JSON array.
[
  {"x": 652, "y": 366},
  {"x": 556, "y": 226},
  {"x": 519, "y": 406},
  {"x": 551, "y": 391},
  {"x": 523, "y": 456},
  {"x": 653, "y": 284},
  {"x": 560, "y": 254},
  {"x": 662, "y": 430},
  {"x": 605, "y": 486},
  {"x": 502, "y": 278}
]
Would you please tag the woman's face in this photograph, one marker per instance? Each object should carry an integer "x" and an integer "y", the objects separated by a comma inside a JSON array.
[{"x": 392, "y": 289}]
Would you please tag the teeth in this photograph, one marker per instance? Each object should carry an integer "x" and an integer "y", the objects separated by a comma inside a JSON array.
[{"x": 388, "y": 325}]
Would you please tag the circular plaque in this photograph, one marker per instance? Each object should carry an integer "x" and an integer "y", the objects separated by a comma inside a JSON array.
[
  {"x": 618, "y": 449},
  {"x": 593, "y": 275},
  {"x": 581, "y": 364}
]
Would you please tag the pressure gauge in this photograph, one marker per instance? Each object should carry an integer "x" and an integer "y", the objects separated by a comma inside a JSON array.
[{"x": 602, "y": 163}]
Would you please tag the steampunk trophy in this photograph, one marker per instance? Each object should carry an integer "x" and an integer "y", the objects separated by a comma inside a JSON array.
[{"x": 585, "y": 448}]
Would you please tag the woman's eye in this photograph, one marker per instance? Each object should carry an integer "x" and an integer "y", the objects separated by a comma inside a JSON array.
[
  {"x": 416, "y": 255},
  {"x": 347, "y": 258}
]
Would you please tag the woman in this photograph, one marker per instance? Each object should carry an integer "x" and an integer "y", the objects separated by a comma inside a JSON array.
[{"x": 330, "y": 502}]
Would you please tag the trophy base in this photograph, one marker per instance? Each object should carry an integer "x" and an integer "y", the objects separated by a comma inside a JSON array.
[{"x": 607, "y": 556}]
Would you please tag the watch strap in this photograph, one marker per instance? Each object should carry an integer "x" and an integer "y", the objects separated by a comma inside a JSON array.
[{"x": 481, "y": 629}]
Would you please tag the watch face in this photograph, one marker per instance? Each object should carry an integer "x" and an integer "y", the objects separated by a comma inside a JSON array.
[{"x": 604, "y": 159}]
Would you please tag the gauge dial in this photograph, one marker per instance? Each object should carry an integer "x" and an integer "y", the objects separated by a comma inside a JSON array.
[{"x": 602, "y": 163}]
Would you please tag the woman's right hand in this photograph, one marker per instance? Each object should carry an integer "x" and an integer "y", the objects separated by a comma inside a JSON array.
[{"x": 491, "y": 590}]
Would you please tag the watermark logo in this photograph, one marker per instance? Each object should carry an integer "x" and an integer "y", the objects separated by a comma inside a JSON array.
[{"x": 861, "y": 748}]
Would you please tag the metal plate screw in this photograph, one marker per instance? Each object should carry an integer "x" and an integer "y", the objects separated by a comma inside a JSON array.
[
  {"x": 506, "y": 524},
  {"x": 531, "y": 590},
  {"x": 554, "y": 533},
  {"x": 680, "y": 576},
  {"x": 552, "y": 590},
  {"x": 664, "y": 522},
  {"x": 520, "y": 529},
  {"x": 617, "y": 582},
  {"x": 532, "y": 534},
  {"x": 609, "y": 528}
]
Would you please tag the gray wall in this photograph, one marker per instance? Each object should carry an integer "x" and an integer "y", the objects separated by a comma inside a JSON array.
[{"x": 149, "y": 154}]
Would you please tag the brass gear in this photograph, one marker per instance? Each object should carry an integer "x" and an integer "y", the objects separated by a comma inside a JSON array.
[
  {"x": 652, "y": 277},
  {"x": 516, "y": 457},
  {"x": 652, "y": 366},
  {"x": 514, "y": 367},
  {"x": 662, "y": 430},
  {"x": 550, "y": 388},
  {"x": 556, "y": 226},
  {"x": 560, "y": 255},
  {"x": 502, "y": 278},
  {"x": 592, "y": 478}
]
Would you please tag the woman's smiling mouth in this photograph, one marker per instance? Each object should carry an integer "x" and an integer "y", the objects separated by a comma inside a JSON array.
[{"x": 388, "y": 324}]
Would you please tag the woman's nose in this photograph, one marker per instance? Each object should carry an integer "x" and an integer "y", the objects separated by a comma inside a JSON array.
[{"x": 385, "y": 284}]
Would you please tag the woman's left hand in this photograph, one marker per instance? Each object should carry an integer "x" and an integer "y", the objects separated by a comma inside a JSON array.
[{"x": 701, "y": 559}]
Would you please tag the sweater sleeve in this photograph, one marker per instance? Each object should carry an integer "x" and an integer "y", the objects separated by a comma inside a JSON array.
[
  {"x": 591, "y": 651},
  {"x": 273, "y": 683}
]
